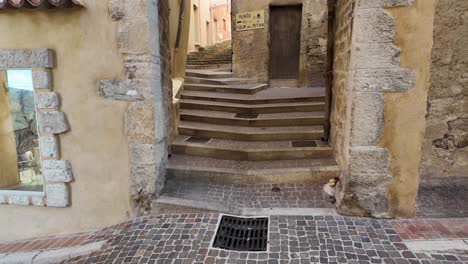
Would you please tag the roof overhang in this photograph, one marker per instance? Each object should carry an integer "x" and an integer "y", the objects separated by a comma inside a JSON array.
[{"x": 15, "y": 4}]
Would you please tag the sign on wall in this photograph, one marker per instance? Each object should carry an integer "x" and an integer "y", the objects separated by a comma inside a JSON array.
[{"x": 250, "y": 20}]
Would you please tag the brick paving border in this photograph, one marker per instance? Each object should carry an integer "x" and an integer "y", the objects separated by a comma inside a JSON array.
[{"x": 453, "y": 228}]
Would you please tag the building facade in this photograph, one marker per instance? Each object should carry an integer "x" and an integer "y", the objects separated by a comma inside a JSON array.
[{"x": 94, "y": 146}]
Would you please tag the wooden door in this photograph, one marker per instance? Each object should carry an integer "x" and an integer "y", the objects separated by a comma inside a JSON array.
[{"x": 285, "y": 41}]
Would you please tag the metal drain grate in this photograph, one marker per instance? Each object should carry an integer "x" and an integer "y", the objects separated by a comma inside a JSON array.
[
  {"x": 242, "y": 234},
  {"x": 197, "y": 139},
  {"x": 304, "y": 144},
  {"x": 246, "y": 116}
]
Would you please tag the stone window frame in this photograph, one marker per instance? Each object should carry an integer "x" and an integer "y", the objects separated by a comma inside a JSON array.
[{"x": 56, "y": 173}]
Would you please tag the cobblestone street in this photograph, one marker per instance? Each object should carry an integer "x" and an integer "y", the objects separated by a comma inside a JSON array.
[{"x": 188, "y": 238}]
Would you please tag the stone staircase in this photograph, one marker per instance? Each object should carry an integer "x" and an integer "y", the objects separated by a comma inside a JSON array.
[
  {"x": 216, "y": 56},
  {"x": 236, "y": 132}
]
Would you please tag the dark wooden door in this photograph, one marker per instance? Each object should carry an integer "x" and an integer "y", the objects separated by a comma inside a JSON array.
[{"x": 285, "y": 41}]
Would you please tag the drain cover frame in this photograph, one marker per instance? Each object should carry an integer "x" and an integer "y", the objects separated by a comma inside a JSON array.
[
  {"x": 304, "y": 144},
  {"x": 199, "y": 140},
  {"x": 247, "y": 115},
  {"x": 245, "y": 234}
]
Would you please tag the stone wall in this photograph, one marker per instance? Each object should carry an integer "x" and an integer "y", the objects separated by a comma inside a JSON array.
[
  {"x": 144, "y": 43},
  {"x": 445, "y": 149},
  {"x": 250, "y": 48},
  {"x": 373, "y": 71},
  {"x": 340, "y": 115}
]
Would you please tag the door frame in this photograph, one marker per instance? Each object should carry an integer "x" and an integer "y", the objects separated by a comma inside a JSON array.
[{"x": 287, "y": 82}]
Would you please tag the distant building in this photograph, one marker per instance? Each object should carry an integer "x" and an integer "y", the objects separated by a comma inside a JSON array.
[{"x": 210, "y": 23}]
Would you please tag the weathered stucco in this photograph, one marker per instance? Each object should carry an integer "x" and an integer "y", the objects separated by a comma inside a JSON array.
[
  {"x": 445, "y": 149},
  {"x": 84, "y": 41},
  {"x": 404, "y": 112},
  {"x": 251, "y": 48}
]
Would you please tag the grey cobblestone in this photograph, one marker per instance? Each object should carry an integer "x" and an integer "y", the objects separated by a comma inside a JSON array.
[{"x": 187, "y": 238}]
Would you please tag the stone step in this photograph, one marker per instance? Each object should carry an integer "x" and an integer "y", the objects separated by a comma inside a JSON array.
[
  {"x": 209, "y": 62},
  {"x": 263, "y": 120},
  {"x": 224, "y": 67},
  {"x": 209, "y": 170},
  {"x": 266, "y": 96},
  {"x": 245, "y": 199},
  {"x": 211, "y": 74},
  {"x": 220, "y": 81},
  {"x": 250, "y": 133},
  {"x": 239, "y": 88},
  {"x": 241, "y": 150},
  {"x": 252, "y": 108}
]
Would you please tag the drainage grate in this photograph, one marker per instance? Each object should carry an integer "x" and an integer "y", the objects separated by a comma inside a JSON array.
[
  {"x": 246, "y": 116},
  {"x": 242, "y": 234},
  {"x": 197, "y": 139},
  {"x": 305, "y": 143}
]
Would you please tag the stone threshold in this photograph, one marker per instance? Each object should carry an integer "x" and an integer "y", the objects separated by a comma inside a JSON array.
[{"x": 51, "y": 256}]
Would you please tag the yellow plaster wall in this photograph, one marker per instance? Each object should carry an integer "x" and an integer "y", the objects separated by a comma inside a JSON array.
[
  {"x": 405, "y": 112},
  {"x": 8, "y": 158},
  {"x": 179, "y": 56},
  {"x": 85, "y": 43},
  {"x": 204, "y": 16}
]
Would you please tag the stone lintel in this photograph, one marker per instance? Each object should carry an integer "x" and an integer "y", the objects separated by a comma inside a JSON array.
[{"x": 26, "y": 58}]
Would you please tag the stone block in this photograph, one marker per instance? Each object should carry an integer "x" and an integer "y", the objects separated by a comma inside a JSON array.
[
  {"x": 26, "y": 58},
  {"x": 139, "y": 123},
  {"x": 369, "y": 179},
  {"x": 19, "y": 258},
  {"x": 57, "y": 195},
  {"x": 368, "y": 118},
  {"x": 142, "y": 154},
  {"x": 37, "y": 200},
  {"x": 373, "y": 25},
  {"x": 144, "y": 179},
  {"x": 47, "y": 100},
  {"x": 375, "y": 55},
  {"x": 384, "y": 80},
  {"x": 49, "y": 147},
  {"x": 121, "y": 9},
  {"x": 126, "y": 90},
  {"x": 42, "y": 79},
  {"x": 134, "y": 36},
  {"x": 19, "y": 199},
  {"x": 57, "y": 171},
  {"x": 369, "y": 160},
  {"x": 52, "y": 122},
  {"x": 2, "y": 199},
  {"x": 382, "y": 3}
]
